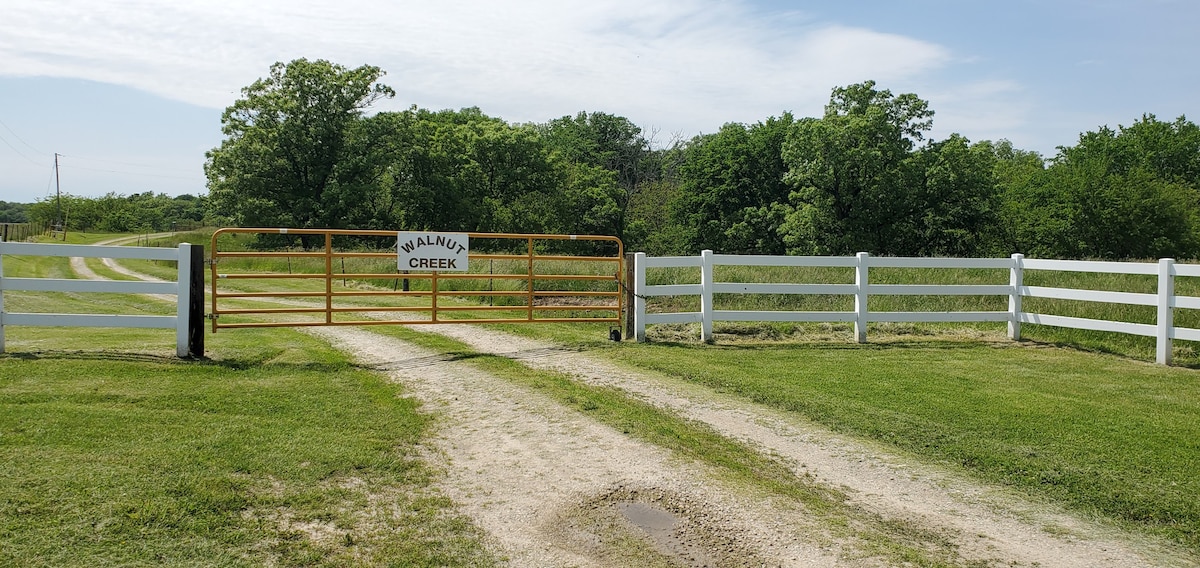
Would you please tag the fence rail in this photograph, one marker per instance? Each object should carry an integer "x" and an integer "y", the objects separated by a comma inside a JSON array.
[
  {"x": 188, "y": 289},
  {"x": 1166, "y": 301}
]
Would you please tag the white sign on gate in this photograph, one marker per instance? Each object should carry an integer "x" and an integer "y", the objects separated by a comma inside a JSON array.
[{"x": 445, "y": 252}]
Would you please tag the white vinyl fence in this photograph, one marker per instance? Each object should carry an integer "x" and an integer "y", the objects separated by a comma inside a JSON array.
[
  {"x": 1165, "y": 300},
  {"x": 182, "y": 288}
]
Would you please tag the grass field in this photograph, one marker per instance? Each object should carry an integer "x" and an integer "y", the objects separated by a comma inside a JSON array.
[{"x": 276, "y": 450}]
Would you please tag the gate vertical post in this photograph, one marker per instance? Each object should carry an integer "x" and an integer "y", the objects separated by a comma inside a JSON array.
[
  {"x": 639, "y": 299},
  {"x": 529, "y": 300},
  {"x": 433, "y": 296},
  {"x": 706, "y": 296},
  {"x": 1016, "y": 278},
  {"x": 1166, "y": 315},
  {"x": 860, "y": 297},
  {"x": 328, "y": 278},
  {"x": 213, "y": 277}
]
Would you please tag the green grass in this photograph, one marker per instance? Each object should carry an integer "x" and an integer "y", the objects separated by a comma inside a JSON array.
[{"x": 274, "y": 450}]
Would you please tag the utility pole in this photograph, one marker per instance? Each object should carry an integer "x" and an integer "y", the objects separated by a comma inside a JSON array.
[{"x": 58, "y": 201}]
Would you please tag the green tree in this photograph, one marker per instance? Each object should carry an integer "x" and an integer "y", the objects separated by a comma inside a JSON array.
[
  {"x": 465, "y": 171},
  {"x": 602, "y": 140},
  {"x": 731, "y": 187},
  {"x": 1032, "y": 215},
  {"x": 78, "y": 213},
  {"x": 286, "y": 139},
  {"x": 14, "y": 212},
  {"x": 852, "y": 173},
  {"x": 956, "y": 198},
  {"x": 1117, "y": 194},
  {"x": 1168, "y": 150},
  {"x": 649, "y": 226}
]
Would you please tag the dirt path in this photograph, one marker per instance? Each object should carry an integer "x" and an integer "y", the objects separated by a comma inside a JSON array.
[
  {"x": 81, "y": 269},
  {"x": 547, "y": 482},
  {"x": 554, "y": 488}
]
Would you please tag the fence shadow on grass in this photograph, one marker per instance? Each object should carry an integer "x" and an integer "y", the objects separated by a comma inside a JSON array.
[
  {"x": 233, "y": 364},
  {"x": 431, "y": 360},
  {"x": 112, "y": 356},
  {"x": 877, "y": 345}
]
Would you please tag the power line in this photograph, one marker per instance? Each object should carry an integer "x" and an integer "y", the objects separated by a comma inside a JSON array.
[
  {"x": 50, "y": 181},
  {"x": 123, "y": 172},
  {"x": 19, "y": 153},
  {"x": 134, "y": 164},
  {"x": 18, "y": 136}
]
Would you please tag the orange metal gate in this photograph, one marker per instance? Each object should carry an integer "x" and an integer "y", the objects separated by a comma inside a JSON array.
[{"x": 321, "y": 277}]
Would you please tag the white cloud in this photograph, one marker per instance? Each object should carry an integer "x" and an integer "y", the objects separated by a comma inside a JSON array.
[
  {"x": 1000, "y": 108},
  {"x": 683, "y": 65}
]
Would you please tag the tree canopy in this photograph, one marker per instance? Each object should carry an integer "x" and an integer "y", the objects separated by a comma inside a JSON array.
[
  {"x": 301, "y": 151},
  {"x": 286, "y": 140}
]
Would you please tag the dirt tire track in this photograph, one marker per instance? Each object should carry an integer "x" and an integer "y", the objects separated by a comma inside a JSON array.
[{"x": 519, "y": 463}]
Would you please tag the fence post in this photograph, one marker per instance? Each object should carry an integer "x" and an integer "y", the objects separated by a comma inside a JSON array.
[
  {"x": 183, "y": 298},
  {"x": 2, "y": 298},
  {"x": 1016, "y": 277},
  {"x": 639, "y": 300},
  {"x": 860, "y": 297},
  {"x": 1166, "y": 319},
  {"x": 706, "y": 296},
  {"x": 628, "y": 285}
]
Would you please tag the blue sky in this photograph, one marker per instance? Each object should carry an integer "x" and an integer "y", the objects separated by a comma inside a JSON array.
[{"x": 130, "y": 92}]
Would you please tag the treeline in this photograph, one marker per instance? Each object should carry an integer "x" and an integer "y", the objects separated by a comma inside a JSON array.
[
  {"x": 862, "y": 178},
  {"x": 14, "y": 212},
  {"x": 113, "y": 213},
  {"x": 300, "y": 152}
]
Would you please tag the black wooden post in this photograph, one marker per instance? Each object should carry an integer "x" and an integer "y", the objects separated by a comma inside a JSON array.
[{"x": 195, "y": 333}]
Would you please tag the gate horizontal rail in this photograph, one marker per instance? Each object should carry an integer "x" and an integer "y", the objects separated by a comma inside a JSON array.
[{"x": 340, "y": 277}]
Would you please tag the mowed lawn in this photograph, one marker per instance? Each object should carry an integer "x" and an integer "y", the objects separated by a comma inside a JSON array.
[
  {"x": 275, "y": 451},
  {"x": 1103, "y": 434}
]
